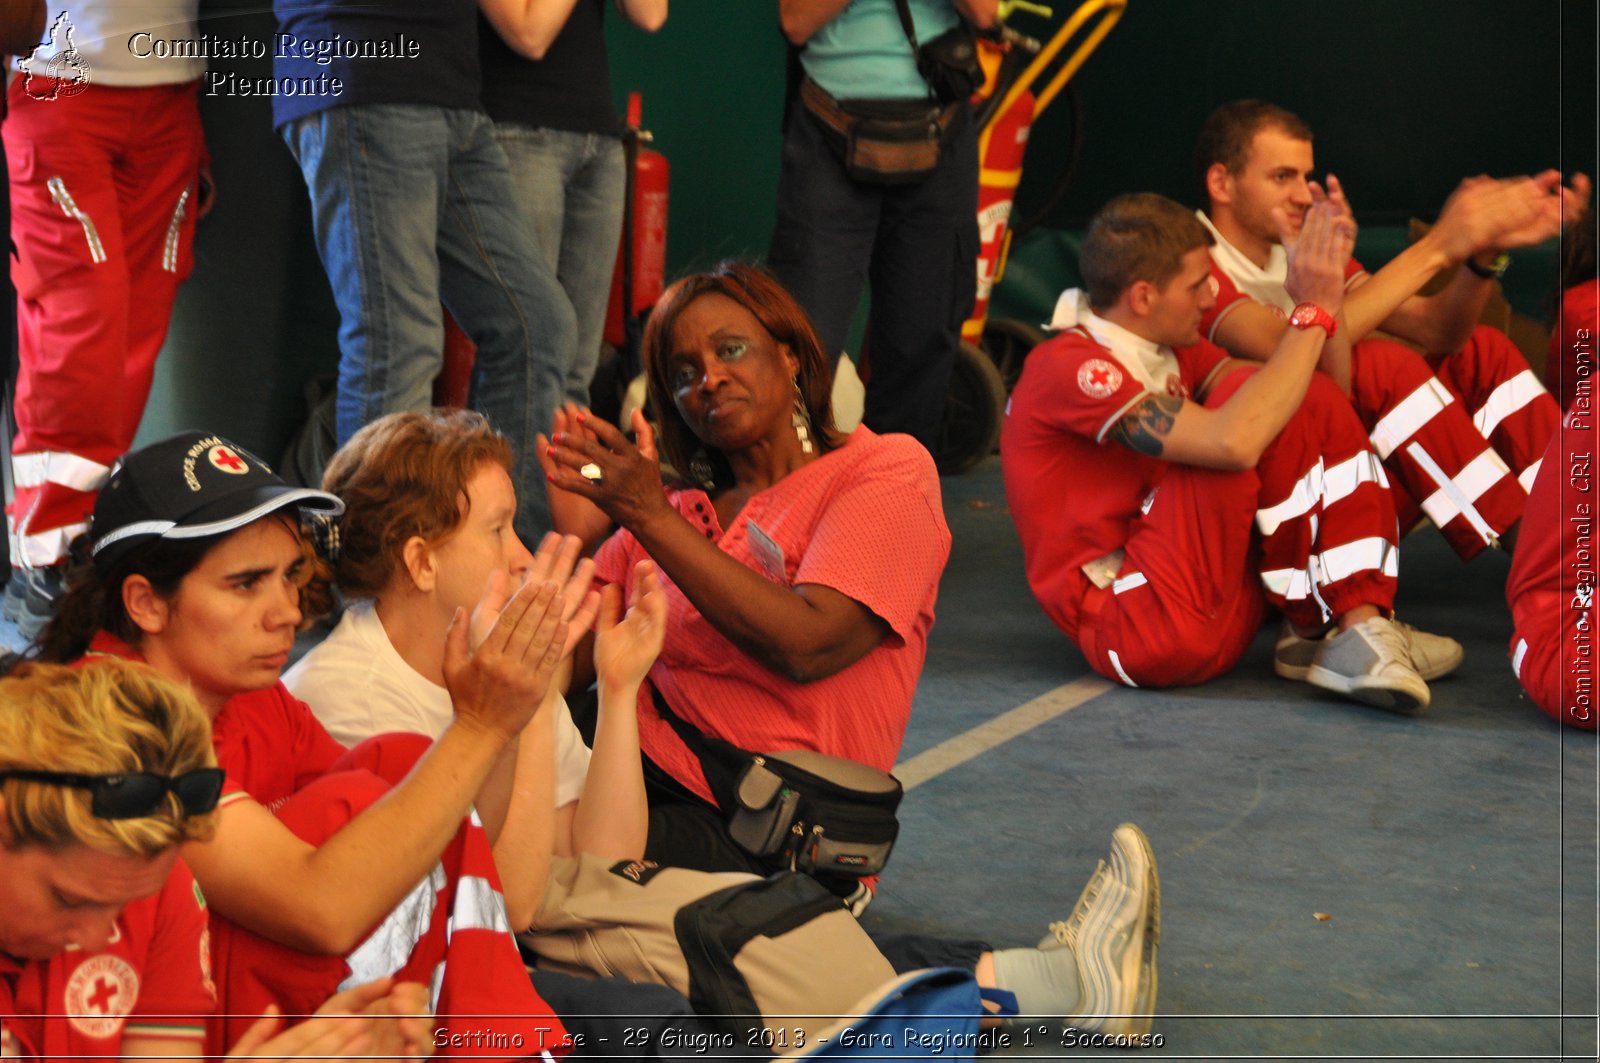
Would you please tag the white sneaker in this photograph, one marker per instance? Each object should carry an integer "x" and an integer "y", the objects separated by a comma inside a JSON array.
[
  {"x": 1370, "y": 662},
  {"x": 1113, "y": 934},
  {"x": 1433, "y": 656}
]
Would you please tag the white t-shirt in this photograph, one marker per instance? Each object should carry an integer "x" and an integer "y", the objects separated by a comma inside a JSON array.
[
  {"x": 117, "y": 42},
  {"x": 1152, "y": 364},
  {"x": 1268, "y": 284},
  {"x": 358, "y": 685}
]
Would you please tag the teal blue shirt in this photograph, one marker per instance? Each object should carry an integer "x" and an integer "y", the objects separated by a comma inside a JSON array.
[{"x": 863, "y": 53}]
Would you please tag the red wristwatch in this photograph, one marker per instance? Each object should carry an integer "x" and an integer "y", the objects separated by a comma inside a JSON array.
[{"x": 1310, "y": 315}]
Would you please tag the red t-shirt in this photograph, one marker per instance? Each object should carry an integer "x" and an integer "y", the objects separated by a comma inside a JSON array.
[
  {"x": 267, "y": 741},
  {"x": 153, "y": 980},
  {"x": 271, "y": 745},
  {"x": 866, "y": 520},
  {"x": 450, "y": 933},
  {"x": 1072, "y": 493}
]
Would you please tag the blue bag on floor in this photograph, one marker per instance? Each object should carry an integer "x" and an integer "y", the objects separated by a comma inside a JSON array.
[{"x": 932, "y": 1012}]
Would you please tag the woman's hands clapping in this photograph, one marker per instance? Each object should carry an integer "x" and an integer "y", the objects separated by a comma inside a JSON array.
[
  {"x": 500, "y": 682},
  {"x": 589, "y": 460}
]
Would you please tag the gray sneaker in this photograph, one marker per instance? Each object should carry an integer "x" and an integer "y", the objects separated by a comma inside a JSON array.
[
  {"x": 1113, "y": 934},
  {"x": 1370, "y": 662},
  {"x": 1292, "y": 654}
]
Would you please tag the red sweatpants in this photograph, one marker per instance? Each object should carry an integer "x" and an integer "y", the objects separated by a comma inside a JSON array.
[
  {"x": 1551, "y": 585},
  {"x": 1311, "y": 530},
  {"x": 1457, "y": 432},
  {"x": 450, "y": 933},
  {"x": 103, "y": 187}
]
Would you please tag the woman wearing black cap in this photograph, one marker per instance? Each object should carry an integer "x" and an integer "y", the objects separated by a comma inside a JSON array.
[{"x": 327, "y": 865}]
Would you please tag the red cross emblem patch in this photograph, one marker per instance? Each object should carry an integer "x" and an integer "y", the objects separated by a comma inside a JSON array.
[
  {"x": 227, "y": 459},
  {"x": 1098, "y": 378},
  {"x": 100, "y": 993}
]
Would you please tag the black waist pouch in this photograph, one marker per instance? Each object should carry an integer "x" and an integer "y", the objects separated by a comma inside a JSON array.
[
  {"x": 949, "y": 64},
  {"x": 806, "y": 811},
  {"x": 819, "y": 814}
]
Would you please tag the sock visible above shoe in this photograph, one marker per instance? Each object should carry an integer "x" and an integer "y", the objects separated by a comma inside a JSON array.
[{"x": 1106, "y": 948}]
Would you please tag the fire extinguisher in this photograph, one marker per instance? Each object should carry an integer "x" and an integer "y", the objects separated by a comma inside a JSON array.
[{"x": 641, "y": 271}]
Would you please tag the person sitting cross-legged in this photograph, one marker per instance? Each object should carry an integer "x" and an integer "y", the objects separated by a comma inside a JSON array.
[
  {"x": 1165, "y": 494},
  {"x": 1460, "y": 428}
]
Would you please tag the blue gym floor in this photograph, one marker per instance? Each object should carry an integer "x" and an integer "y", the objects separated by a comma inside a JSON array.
[{"x": 1453, "y": 855}]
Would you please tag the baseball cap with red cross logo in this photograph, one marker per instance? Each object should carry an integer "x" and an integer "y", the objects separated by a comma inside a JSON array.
[{"x": 190, "y": 486}]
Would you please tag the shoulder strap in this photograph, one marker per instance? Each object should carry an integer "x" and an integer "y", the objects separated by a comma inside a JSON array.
[
  {"x": 721, "y": 761},
  {"x": 698, "y": 741},
  {"x": 903, "y": 9}
]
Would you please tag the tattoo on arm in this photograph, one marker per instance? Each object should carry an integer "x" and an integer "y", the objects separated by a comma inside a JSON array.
[{"x": 1144, "y": 428}]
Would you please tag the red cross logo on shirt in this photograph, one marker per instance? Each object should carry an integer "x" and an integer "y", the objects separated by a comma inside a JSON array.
[
  {"x": 227, "y": 460},
  {"x": 1098, "y": 378},
  {"x": 104, "y": 993},
  {"x": 99, "y": 994}
]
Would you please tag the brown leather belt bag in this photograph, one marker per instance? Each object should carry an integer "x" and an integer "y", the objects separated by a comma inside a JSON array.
[{"x": 886, "y": 142}]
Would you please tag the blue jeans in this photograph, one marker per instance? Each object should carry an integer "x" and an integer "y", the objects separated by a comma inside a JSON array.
[
  {"x": 412, "y": 206},
  {"x": 572, "y": 187}
]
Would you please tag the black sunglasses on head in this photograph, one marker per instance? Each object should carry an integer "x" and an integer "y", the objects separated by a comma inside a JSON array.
[{"x": 133, "y": 794}]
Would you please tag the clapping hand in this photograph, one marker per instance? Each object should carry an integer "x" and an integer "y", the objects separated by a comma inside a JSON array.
[
  {"x": 626, "y": 646},
  {"x": 1317, "y": 256},
  {"x": 594, "y": 460},
  {"x": 575, "y": 512},
  {"x": 1485, "y": 215},
  {"x": 559, "y": 560},
  {"x": 499, "y": 683},
  {"x": 1331, "y": 199}
]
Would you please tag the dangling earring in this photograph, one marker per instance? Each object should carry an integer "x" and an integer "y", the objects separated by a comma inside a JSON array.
[
  {"x": 700, "y": 469},
  {"x": 802, "y": 420}
]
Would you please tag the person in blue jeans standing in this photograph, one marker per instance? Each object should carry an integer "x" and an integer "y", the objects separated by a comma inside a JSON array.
[
  {"x": 547, "y": 85},
  {"x": 412, "y": 205}
]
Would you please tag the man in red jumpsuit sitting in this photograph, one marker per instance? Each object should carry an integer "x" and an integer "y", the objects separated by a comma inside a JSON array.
[{"x": 1165, "y": 494}]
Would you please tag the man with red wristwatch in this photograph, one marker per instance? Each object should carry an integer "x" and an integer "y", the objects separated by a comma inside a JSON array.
[{"x": 1165, "y": 493}]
